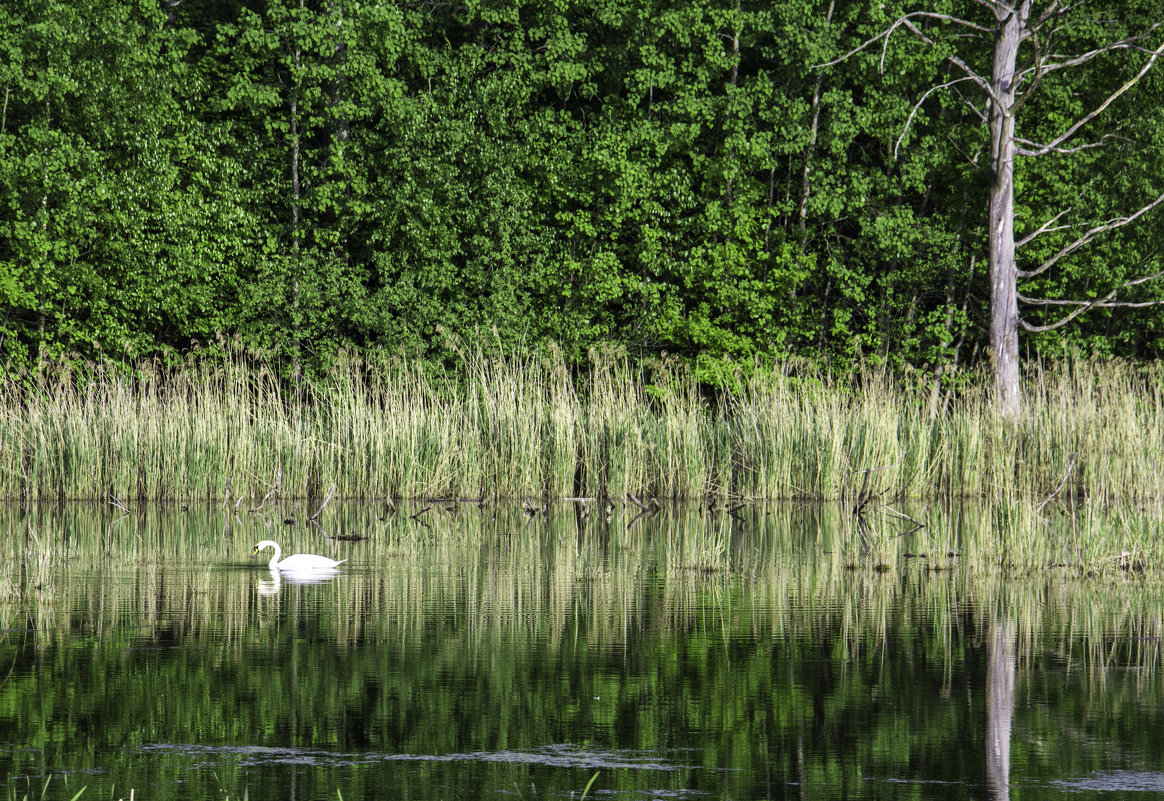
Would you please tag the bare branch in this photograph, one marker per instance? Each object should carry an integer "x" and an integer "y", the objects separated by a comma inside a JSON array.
[
  {"x": 1048, "y": 12},
  {"x": 274, "y": 488},
  {"x": 1110, "y": 99},
  {"x": 1044, "y": 228},
  {"x": 948, "y": 18},
  {"x": 970, "y": 159},
  {"x": 977, "y": 112},
  {"x": 904, "y": 20},
  {"x": 916, "y": 106},
  {"x": 1110, "y": 225},
  {"x": 1106, "y": 302},
  {"x": 326, "y": 501},
  {"x": 1040, "y": 329},
  {"x": 994, "y": 5},
  {"x": 979, "y": 81},
  {"x": 1062, "y": 483},
  {"x": 1083, "y": 58},
  {"x": 1035, "y": 149}
]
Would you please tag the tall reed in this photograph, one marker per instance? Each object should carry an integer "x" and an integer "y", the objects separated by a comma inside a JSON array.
[{"x": 532, "y": 427}]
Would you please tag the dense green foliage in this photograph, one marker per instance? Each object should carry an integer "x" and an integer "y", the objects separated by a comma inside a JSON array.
[{"x": 671, "y": 176}]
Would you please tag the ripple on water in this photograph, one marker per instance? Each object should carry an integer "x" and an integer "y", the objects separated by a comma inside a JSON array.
[
  {"x": 563, "y": 756},
  {"x": 1116, "y": 781}
]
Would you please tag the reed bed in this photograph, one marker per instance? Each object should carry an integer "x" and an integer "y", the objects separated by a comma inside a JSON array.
[{"x": 497, "y": 426}]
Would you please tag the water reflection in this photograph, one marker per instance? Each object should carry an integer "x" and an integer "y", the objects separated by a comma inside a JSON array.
[
  {"x": 272, "y": 584},
  {"x": 560, "y": 756},
  {"x": 755, "y": 653},
  {"x": 1000, "y": 667},
  {"x": 1127, "y": 781}
]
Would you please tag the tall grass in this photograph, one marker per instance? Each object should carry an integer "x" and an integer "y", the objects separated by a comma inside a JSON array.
[{"x": 530, "y": 427}]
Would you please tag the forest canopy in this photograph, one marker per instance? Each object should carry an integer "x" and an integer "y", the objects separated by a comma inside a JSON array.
[{"x": 311, "y": 176}]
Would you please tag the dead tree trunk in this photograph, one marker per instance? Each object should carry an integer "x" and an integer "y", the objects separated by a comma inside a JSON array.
[
  {"x": 1007, "y": 88},
  {"x": 1000, "y": 237}
]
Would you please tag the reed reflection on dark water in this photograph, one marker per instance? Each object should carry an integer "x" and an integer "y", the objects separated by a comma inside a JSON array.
[{"x": 756, "y": 652}]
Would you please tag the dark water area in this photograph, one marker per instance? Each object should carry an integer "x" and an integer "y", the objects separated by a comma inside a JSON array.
[{"x": 470, "y": 653}]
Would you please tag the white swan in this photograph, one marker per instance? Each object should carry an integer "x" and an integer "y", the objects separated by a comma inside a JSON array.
[{"x": 297, "y": 562}]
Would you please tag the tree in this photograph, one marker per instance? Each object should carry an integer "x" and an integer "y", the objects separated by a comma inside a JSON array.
[
  {"x": 1006, "y": 50},
  {"x": 99, "y": 238},
  {"x": 293, "y": 89}
]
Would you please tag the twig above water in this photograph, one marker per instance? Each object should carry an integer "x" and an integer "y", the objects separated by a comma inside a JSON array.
[
  {"x": 1062, "y": 483},
  {"x": 903, "y": 516},
  {"x": 326, "y": 500},
  {"x": 637, "y": 518},
  {"x": 273, "y": 490},
  {"x": 636, "y": 501}
]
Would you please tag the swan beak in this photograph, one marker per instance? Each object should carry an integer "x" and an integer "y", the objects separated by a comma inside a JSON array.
[{"x": 254, "y": 551}]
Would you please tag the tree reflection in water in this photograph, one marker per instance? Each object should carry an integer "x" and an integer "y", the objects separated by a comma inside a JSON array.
[{"x": 1000, "y": 657}]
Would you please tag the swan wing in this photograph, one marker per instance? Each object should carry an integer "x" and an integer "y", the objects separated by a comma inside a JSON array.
[{"x": 308, "y": 561}]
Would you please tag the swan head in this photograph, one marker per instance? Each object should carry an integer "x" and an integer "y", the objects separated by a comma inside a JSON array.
[{"x": 264, "y": 544}]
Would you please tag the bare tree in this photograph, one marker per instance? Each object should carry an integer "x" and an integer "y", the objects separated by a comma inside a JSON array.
[{"x": 1009, "y": 26}]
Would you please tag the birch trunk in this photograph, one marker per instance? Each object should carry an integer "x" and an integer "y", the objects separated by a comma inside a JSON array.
[{"x": 1003, "y": 271}]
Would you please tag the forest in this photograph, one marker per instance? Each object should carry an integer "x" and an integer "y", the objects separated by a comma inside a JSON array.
[{"x": 709, "y": 179}]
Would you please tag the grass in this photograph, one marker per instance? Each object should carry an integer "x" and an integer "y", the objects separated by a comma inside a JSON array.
[
  {"x": 511, "y": 427},
  {"x": 14, "y": 795}
]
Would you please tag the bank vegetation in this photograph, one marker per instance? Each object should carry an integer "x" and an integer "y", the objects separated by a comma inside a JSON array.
[{"x": 503, "y": 426}]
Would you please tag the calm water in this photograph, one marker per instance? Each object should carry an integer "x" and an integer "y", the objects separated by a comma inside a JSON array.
[{"x": 484, "y": 654}]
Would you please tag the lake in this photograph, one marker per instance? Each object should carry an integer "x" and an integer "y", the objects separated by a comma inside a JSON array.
[{"x": 492, "y": 653}]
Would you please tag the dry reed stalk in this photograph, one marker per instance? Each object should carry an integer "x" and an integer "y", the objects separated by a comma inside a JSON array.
[{"x": 506, "y": 426}]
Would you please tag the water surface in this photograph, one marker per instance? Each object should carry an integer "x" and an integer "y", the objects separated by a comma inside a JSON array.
[{"x": 487, "y": 653}]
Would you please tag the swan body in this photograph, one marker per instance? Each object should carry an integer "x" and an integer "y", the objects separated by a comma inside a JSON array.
[{"x": 299, "y": 562}]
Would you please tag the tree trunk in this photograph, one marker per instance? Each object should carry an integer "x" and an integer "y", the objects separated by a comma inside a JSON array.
[
  {"x": 810, "y": 148},
  {"x": 340, "y": 128},
  {"x": 1000, "y": 237},
  {"x": 732, "y": 81},
  {"x": 297, "y": 359}
]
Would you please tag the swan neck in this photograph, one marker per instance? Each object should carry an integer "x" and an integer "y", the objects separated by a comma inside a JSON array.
[{"x": 274, "y": 563}]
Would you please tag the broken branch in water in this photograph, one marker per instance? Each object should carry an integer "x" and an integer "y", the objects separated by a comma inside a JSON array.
[
  {"x": 326, "y": 500},
  {"x": 642, "y": 506}
]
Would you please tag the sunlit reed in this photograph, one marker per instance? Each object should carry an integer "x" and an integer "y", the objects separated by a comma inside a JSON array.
[{"x": 498, "y": 426}]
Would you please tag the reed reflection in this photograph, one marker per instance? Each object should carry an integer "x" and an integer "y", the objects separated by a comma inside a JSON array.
[{"x": 756, "y": 649}]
